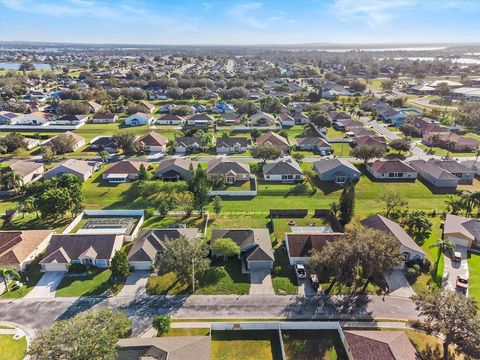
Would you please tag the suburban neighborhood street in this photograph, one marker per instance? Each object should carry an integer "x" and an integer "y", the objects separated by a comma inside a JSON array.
[{"x": 41, "y": 313}]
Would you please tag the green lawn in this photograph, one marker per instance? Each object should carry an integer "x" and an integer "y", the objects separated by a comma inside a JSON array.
[
  {"x": 284, "y": 282},
  {"x": 96, "y": 282},
  {"x": 33, "y": 274},
  {"x": 188, "y": 332},
  {"x": 246, "y": 345},
  {"x": 11, "y": 349},
  {"x": 474, "y": 276},
  {"x": 312, "y": 344},
  {"x": 443, "y": 152},
  {"x": 222, "y": 278}
]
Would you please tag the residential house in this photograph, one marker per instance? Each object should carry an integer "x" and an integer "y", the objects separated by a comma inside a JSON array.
[
  {"x": 31, "y": 143},
  {"x": 35, "y": 118},
  {"x": 231, "y": 145},
  {"x": 230, "y": 119},
  {"x": 392, "y": 169},
  {"x": 339, "y": 116},
  {"x": 94, "y": 107},
  {"x": 123, "y": 171},
  {"x": 139, "y": 119},
  {"x": 104, "y": 118},
  {"x": 370, "y": 140},
  {"x": 300, "y": 245},
  {"x": 187, "y": 144},
  {"x": 286, "y": 120},
  {"x": 462, "y": 231},
  {"x": 87, "y": 249},
  {"x": 473, "y": 165},
  {"x": 255, "y": 246},
  {"x": 232, "y": 171},
  {"x": 426, "y": 125},
  {"x": 165, "y": 348},
  {"x": 300, "y": 118},
  {"x": 104, "y": 143},
  {"x": 314, "y": 143},
  {"x": 391, "y": 115},
  {"x": 146, "y": 107},
  {"x": 56, "y": 143},
  {"x": 151, "y": 142},
  {"x": 149, "y": 244},
  {"x": 287, "y": 170},
  {"x": 274, "y": 139},
  {"x": 385, "y": 345},
  {"x": 450, "y": 141},
  {"x": 339, "y": 170},
  {"x": 408, "y": 247},
  {"x": 360, "y": 131},
  {"x": 262, "y": 119},
  {"x": 80, "y": 168},
  {"x": 19, "y": 248},
  {"x": 346, "y": 125},
  {"x": 169, "y": 119},
  {"x": 175, "y": 169},
  {"x": 27, "y": 169},
  {"x": 7, "y": 117},
  {"x": 434, "y": 174},
  {"x": 463, "y": 173},
  {"x": 224, "y": 108},
  {"x": 199, "y": 120},
  {"x": 71, "y": 119}
]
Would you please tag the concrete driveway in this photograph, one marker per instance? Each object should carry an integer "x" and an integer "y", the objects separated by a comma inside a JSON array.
[
  {"x": 398, "y": 284},
  {"x": 261, "y": 283},
  {"x": 46, "y": 286},
  {"x": 136, "y": 284},
  {"x": 305, "y": 288},
  {"x": 452, "y": 269}
]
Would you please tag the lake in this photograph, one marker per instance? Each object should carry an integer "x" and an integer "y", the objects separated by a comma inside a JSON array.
[{"x": 14, "y": 66}]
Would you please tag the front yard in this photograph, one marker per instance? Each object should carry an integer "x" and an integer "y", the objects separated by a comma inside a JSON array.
[
  {"x": 313, "y": 344},
  {"x": 11, "y": 349},
  {"x": 29, "y": 279},
  {"x": 246, "y": 345},
  {"x": 474, "y": 276},
  {"x": 95, "y": 282}
]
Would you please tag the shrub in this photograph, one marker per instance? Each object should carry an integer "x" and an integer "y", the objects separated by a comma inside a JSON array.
[
  {"x": 425, "y": 265},
  {"x": 77, "y": 268},
  {"x": 277, "y": 270},
  {"x": 149, "y": 212},
  {"x": 413, "y": 271},
  {"x": 162, "y": 323}
]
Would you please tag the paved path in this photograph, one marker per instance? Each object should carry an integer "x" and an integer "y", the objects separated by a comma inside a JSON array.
[
  {"x": 261, "y": 283},
  {"x": 398, "y": 285},
  {"x": 40, "y": 313},
  {"x": 452, "y": 269},
  {"x": 46, "y": 286},
  {"x": 136, "y": 284}
]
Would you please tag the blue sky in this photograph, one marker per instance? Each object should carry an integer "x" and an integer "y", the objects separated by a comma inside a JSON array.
[{"x": 240, "y": 22}]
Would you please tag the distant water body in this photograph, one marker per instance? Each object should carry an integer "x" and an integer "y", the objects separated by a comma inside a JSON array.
[
  {"x": 14, "y": 66},
  {"x": 387, "y": 49},
  {"x": 457, "y": 60}
]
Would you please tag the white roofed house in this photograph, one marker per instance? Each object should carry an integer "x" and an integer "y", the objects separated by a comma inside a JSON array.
[
  {"x": 262, "y": 119},
  {"x": 139, "y": 119},
  {"x": 27, "y": 169},
  {"x": 462, "y": 231},
  {"x": 80, "y": 168},
  {"x": 35, "y": 118}
]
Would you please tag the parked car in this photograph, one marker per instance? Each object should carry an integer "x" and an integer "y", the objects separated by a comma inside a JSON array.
[
  {"x": 300, "y": 271},
  {"x": 314, "y": 281},
  {"x": 462, "y": 283},
  {"x": 457, "y": 256}
]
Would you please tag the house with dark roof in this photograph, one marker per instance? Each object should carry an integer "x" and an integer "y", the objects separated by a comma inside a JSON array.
[
  {"x": 231, "y": 145},
  {"x": 408, "y": 247},
  {"x": 370, "y": 140},
  {"x": 255, "y": 246},
  {"x": 123, "y": 171},
  {"x": 165, "y": 348},
  {"x": 463, "y": 173},
  {"x": 186, "y": 144},
  {"x": 151, "y": 142},
  {"x": 199, "y": 120},
  {"x": 427, "y": 125},
  {"x": 150, "y": 243},
  {"x": 462, "y": 231},
  {"x": 283, "y": 170},
  {"x": 262, "y": 119},
  {"x": 314, "y": 143},
  {"x": 300, "y": 118},
  {"x": 233, "y": 171},
  {"x": 229, "y": 119},
  {"x": 175, "y": 169},
  {"x": 301, "y": 244},
  {"x": 434, "y": 174},
  {"x": 104, "y": 143},
  {"x": 169, "y": 119},
  {"x": 450, "y": 141},
  {"x": 71, "y": 119},
  {"x": 384, "y": 345},
  {"x": 146, "y": 107},
  {"x": 346, "y": 124},
  {"x": 391, "y": 170},
  {"x": 19, "y": 248},
  {"x": 87, "y": 249},
  {"x": 274, "y": 139},
  {"x": 340, "y": 171}
]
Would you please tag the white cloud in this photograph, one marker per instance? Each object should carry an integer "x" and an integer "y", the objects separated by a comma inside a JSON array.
[
  {"x": 374, "y": 12},
  {"x": 243, "y": 13}
]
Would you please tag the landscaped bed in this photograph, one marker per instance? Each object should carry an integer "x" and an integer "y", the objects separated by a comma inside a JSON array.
[
  {"x": 11, "y": 349},
  {"x": 244, "y": 345},
  {"x": 313, "y": 345}
]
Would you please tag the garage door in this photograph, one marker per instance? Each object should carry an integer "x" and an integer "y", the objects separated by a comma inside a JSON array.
[
  {"x": 54, "y": 267},
  {"x": 141, "y": 265},
  {"x": 259, "y": 265}
]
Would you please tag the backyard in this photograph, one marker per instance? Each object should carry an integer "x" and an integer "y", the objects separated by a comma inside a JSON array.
[
  {"x": 246, "y": 345},
  {"x": 313, "y": 345}
]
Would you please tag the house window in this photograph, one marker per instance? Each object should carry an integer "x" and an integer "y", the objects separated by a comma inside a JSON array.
[
  {"x": 406, "y": 256},
  {"x": 230, "y": 179},
  {"x": 287, "y": 177},
  {"x": 341, "y": 179},
  {"x": 459, "y": 175},
  {"x": 268, "y": 176}
]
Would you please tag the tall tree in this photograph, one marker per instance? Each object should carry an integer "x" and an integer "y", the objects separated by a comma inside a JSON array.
[
  {"x": 392, "y": 201},
  {"x": 88, "y": 335},
  {"x": 367, "y": 152},
  {"x": 266, "y": 152},
  {"x": 400, "y": 145},
  {"x": 346, "y": 203},
  {"x": 225, "y": 248},
  {"x": 9, "y": 274},
  {"x": 455, "y": 318},
  {"x": 126, "y": 141},
  {"x": 120, "y": 265},
  {"x": 200, "y": 187},
  {"x": 11, "y": 180}
]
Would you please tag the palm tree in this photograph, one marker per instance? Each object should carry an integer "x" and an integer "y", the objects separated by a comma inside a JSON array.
[
  {"x": 11, "y": 180},
  {"x": 445, "y": 246},
  {"x": 9, "y": 274},
  {"x": 454, "y": 204},
  {"x": 450, "y": 146},
  {"x": 433, "y": 139},
  {"x": 104, "y": 155},
  {"x": 471, "y": 200}
]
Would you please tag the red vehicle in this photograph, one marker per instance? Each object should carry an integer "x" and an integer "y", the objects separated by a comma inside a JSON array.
[{"x": 462, "y": 283}]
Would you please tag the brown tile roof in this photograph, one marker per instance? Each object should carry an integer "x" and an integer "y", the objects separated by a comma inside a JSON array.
[
  {"x": 125, "y": 167},
  {"x": 274, "y": 139},
  {"x": 395, "y": 165},
  {"x": 152, "y": 139},
  {"x": 24, "y": 167},
  {"x": 469, "y": 228},
  {"x": 384, "y": 345},
  {"x": 371, "y": 140},
  {"x": 301, "y": 244},
  {"x": 54, "y": 141},
  {"x": 16, "y": 246}
]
